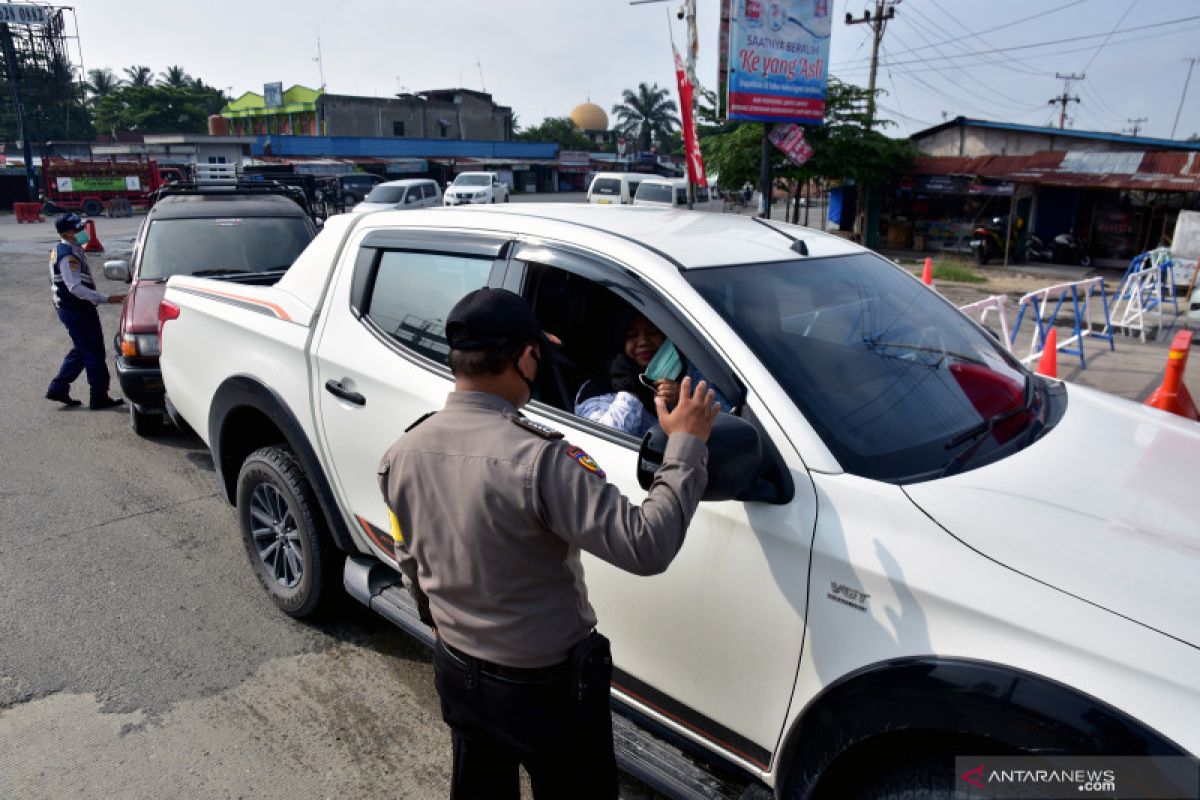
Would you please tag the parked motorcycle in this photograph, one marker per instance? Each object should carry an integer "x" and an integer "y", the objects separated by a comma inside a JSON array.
[
  {"x": 987, "y": 240},
  {"x": 1066, "y": 248}
]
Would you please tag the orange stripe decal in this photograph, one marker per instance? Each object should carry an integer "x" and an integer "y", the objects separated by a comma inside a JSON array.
[{"x": 278, "y": 310}]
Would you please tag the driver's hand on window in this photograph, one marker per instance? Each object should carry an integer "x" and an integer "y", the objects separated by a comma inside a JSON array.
[
  {"x": 695, "y": 413},
  {"x": 668, "y": 391}
]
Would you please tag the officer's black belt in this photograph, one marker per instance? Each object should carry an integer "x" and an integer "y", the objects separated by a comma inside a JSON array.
[{"x": 469, "y": 662}]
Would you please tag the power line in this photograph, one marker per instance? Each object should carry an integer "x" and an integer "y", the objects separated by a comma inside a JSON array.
[
  {"x": 885, "y": 10},
  {"x": 1110, "y": 33},
  {"x": 1010, "y": 24},
  {"x": 1060, "y": 41},
  {"x": 1182, "y": 97},
  {"x": 972, "y": 77},
  {"x": 998, "y": 62},
  {"x": 1137, "y": 125}
]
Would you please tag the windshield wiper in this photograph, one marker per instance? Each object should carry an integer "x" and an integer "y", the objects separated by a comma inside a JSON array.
[
  {"x": 877, "y": 344},
  {"x": 977, "y": 434},
  {"x": 210, "y": 272}
]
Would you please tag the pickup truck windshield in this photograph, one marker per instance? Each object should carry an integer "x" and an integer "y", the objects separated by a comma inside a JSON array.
[
  {"x": 473, "y": 180},
  {"x": 899, "y": 385},
  {"x": 242, "y": 244}
]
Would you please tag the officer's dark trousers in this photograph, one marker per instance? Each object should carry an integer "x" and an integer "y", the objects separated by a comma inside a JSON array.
[
  {"x": 497, "y": 723},
  {"x": 83, "y": 324}
]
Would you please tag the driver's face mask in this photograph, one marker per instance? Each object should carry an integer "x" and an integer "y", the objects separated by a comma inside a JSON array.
[{"x": 667, "y": 365}]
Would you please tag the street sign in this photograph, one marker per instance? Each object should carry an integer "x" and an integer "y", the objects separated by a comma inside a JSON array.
[
  {"x": 778, "y": 61},
  {"x": 790, "y": 139},
  {"x": 14, "y": 14}
]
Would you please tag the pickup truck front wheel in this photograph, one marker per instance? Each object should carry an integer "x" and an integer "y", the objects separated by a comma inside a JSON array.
[{"x": 283, "y": 531}]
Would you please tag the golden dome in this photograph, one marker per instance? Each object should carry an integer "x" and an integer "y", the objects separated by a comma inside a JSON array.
[{"x": 589, "y": 117}]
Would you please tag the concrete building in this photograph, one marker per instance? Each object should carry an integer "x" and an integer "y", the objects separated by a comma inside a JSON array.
[
  {"x": 436, "y": 114},
  {"x": 460, "y": 114}
]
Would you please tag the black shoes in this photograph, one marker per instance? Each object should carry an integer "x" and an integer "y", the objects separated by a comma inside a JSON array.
[
  {"x": 101, "y": 403},
  {"x": 64, "y": 398}
]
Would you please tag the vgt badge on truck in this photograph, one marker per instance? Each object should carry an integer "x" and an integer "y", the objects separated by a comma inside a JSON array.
[{"x": 841, "y": 593}]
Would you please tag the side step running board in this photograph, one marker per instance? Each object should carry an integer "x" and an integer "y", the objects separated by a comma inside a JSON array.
[{"x": 650, "y": 759}]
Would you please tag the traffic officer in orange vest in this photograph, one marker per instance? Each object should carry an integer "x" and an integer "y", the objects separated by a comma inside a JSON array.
[{"x": 73, "y": 291}]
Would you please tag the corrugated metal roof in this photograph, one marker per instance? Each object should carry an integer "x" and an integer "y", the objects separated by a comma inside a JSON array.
[
  {"x": 1156, "y": 171},
  {"x": 1141, "y": 141}
]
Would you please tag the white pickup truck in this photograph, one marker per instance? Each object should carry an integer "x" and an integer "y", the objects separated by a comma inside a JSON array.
[{"x": 929, "y": 552}]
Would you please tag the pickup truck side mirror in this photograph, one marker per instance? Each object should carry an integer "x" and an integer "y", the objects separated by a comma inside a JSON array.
[
  {"x": 117, "y": 270},
  {"x": 735, "y": 458}
]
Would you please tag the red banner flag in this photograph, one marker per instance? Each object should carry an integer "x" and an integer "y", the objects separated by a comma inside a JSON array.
[{"x": 691, "y": 146}]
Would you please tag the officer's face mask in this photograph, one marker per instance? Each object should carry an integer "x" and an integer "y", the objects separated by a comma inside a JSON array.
[
  {"x": 81, "y": 237},
  {"x": 537, "y": 361}
]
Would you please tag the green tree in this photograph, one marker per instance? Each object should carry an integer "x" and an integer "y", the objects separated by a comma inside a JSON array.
[
  {"x": 52, "y": 97},
  {"x": 175, "y": 76},
  {"x": 138, "y": 75},
  {"x": 843, "y": 148},
  {"x": 559, "y": 130},
  {"x": 647, "y": 115},
  {"x": 101, "y": 82},
  {"x": 158, "y": 109}
]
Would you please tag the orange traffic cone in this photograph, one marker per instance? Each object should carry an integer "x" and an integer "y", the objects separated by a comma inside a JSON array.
[
  {"x": 93, "y": 243},
  {"x": 927, "y": 275},
  {"x": 1173, "y": 396},
  {"x": 1048, "y": 363}
]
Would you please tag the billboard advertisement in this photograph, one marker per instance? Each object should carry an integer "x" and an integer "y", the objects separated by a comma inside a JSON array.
[{"x": 778, "y": 60}]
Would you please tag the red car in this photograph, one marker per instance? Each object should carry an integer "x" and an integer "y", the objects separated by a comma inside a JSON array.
[{"x": 237, "y": 233}]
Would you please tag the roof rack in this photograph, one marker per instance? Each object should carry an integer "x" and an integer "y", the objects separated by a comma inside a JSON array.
[{"x": 239, "y": 186}]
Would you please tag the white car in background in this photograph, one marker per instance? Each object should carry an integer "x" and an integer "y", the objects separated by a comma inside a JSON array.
[
  {"x": 476, "y": 187},
  {"x": 670, "y": 193},
  {"x": 403, "y": 194}
]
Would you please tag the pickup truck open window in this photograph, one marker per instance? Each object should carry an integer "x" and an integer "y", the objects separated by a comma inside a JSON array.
[{"x": 413, "y": 293}]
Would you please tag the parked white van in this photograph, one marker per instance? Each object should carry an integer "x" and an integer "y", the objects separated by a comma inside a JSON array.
[
  {"x": 670, "y": 193},
  {"x": 402, "y": 194},
  {"x": 615, "y": 188}
]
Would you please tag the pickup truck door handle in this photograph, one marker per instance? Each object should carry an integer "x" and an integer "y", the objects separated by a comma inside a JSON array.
[{"x": 335, "y": 388}]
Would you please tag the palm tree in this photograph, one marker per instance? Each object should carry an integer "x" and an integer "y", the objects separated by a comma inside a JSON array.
[
  {"x": 101, "y": 82},
  {"x": 138, "y": 75},
  {"x": 176, "y": 77},
  {"x": 646, "y": 114}
]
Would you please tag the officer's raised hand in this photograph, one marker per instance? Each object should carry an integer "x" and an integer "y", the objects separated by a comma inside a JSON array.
[{"x": 695, "y": 412}]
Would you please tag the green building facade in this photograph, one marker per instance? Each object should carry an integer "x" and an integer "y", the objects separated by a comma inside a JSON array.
[{"x": 249, "y": 115}]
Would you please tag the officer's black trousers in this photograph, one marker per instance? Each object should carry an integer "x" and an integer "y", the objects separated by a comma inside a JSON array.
[
  {"x": 83, "y": 324},
  {"x": 497, "y": 723}
]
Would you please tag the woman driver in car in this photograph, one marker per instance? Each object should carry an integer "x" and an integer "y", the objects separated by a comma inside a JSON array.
[{"x": 624, "y": 399}]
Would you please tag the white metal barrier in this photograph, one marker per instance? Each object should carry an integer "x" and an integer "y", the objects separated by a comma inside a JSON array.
[
  {"x": 1148, "y": 284},
  {"x": 979, "y": 311},
  {"x": 1052, "y": 299}
]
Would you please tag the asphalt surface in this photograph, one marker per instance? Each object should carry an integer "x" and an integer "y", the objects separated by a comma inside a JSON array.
[{"x": 139, "y": 657}]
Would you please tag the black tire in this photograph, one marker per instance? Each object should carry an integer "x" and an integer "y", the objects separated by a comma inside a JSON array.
[
  {"x": 927, "y": 779},
  {"x": 299, "y": 574},
  {"x": 92, "y": 207},
  {"x": 144, "y": 424}
]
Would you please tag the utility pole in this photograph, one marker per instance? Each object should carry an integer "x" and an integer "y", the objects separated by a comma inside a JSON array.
[
  {"x": 1137, "y": 125},
  {"x": 1182, "y": 97},
  {"x": 1065, "y": 97},
  {"x": 884, "y": 10},
  {"x": 10, "y": 67}
]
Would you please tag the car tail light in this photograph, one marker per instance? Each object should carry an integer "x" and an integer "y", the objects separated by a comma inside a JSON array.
[{"x": 166, "y": 311}]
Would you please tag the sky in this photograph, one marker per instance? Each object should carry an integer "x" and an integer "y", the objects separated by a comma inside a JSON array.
[{"x": 939, "y": 58}]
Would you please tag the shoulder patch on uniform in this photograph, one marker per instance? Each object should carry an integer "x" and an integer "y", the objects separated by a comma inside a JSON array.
[
  {"x": 544, "y": 431},
  {"x": 419, "y": 420},
  {"x": 584, "y": 460},
  {"x": 73, "y": 263}
]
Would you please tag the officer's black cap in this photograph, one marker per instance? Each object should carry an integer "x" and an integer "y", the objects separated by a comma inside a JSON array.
[
  {"x": 489, "y": 318},
  {"x": 68, "y": 222}
]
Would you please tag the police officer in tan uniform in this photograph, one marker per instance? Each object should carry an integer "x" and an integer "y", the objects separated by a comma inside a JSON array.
[{"x": 494, "y": 510}]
